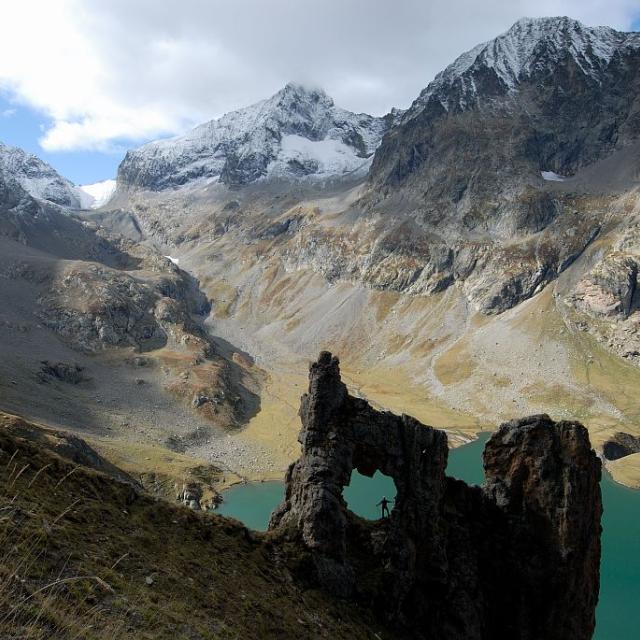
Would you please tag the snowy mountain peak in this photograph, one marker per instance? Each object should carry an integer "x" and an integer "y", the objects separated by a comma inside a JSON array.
[
  {"x": 294, "y": 93},
  {"x": 38, "y": 178},
  {"x": 296, "y": 133},
  {"x": 532, "y": 46}
]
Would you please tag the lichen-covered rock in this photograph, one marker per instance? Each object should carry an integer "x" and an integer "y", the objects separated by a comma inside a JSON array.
[{"x": 517, "y": 558}]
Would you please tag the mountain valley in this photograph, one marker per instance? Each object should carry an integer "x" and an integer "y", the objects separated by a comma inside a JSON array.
[
  {"x": 472, "y": 259},
  {"x": 508, "y": 294}
]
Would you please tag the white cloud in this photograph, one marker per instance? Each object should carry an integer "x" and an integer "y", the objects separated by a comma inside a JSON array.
[
  {"x": 7, "y": 113},
  {"x": 105, "y": 71}
]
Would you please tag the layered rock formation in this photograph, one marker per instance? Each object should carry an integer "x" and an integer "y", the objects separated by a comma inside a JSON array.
[{"x": 516, "y": 558}]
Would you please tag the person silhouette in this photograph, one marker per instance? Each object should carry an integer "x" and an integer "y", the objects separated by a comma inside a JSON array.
[{"x": 384, "y": 503}]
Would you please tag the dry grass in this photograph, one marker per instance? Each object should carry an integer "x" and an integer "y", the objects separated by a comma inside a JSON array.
[
  {"x": 160, "y": 470},
  {"x": 277, "y": 424},
  {"x": 394, "y": 390},
  {"x": 85, "y": 556},
  {"x": 222, "y": 294},
  {"x": 626, "y": 470},
  {"x": 456, "y": 364}
]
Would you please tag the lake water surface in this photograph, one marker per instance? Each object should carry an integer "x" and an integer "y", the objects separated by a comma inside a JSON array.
[{"x": 618, "y": 614}]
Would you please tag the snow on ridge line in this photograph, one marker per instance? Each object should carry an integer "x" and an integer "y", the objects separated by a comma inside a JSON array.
[
  {"x": 175, "y": 261},
  {"x": 514, "y": 54},
  {"x": 297, "y": 132}
]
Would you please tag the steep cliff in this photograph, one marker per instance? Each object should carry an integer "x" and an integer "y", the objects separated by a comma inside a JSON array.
[{"x": 487, "y": 166}]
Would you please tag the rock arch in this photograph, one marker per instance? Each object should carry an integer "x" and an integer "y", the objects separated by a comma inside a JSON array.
[{"x": 517, "y": 558}]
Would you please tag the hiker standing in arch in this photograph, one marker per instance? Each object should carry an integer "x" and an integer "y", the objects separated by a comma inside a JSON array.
[{"x": 384, "y": 503}]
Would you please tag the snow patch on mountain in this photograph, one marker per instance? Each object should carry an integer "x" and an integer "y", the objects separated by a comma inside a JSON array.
[
  {"x": 316, "y": 158},
  {"x": 552, "y": 176},
  {"x": 94, "y": 196},
  {"x": 298, "y": 132}
]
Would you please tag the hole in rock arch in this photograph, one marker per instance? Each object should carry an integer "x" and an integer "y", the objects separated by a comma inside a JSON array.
[{"x": 363, "y": 494}]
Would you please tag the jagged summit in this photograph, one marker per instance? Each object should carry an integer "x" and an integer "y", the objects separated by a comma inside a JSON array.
[
  {"x": 38, "y": 178},
  {"x": 296, "y": 133},
  {"x": 295, "y": 94},
  {"x": 531, "y": 47}
]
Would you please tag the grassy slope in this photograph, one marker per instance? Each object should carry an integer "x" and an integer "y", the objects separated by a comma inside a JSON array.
[{"x": 80, "y": 548}]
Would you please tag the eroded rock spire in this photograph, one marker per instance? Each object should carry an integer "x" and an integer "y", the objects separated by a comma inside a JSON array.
[{"x": 517, "y": 558}]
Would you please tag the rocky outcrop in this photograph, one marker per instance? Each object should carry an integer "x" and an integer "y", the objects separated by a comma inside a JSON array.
[
  {"x": 65, "y": 445},
  {"x": 607, "y": 296},
  {"x": 610, "y": 289},
  {"x": 620, "y": 445},
  {"x": 191, "y": 495},
  {"x": 62, "y": 371},
  {"x": 517, "y": 558},
  {"x": 94, "y": 306}
]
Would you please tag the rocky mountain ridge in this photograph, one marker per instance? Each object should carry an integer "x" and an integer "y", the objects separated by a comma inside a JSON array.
[
  {"x": 465, "y": 168},
  {"x": 297, "y": 134},
  {"x": 472, "y": 223},
  {"x": 531, "y": 47},
  {"x": 39, "y": 179},
  {"x": 478, "y": 184}
]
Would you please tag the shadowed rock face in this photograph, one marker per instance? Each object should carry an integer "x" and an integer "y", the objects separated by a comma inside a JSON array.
[
  {"x": 621, "y": 445},
  {"x": 517, "y": 558}
]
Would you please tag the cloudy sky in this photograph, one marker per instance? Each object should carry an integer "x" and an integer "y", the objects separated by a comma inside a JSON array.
[{"x": 82, "y": 80}]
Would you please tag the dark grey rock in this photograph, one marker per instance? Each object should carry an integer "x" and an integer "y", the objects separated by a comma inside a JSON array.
[
  {"x": 620, "y": 445},
  {"x": 63, "y": 371},
  {"x": 517, "y": 558}
]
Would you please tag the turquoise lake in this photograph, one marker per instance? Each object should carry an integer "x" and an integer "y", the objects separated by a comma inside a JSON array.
[{"x": 618, "y": 614}]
